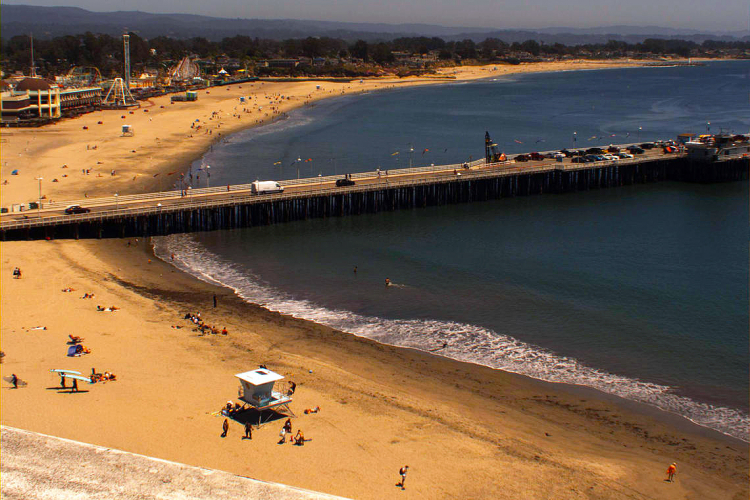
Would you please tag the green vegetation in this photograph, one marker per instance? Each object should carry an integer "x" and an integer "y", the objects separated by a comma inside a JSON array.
[{"x": 327, "y": 56}]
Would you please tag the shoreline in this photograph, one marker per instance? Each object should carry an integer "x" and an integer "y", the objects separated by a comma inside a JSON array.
[
  {"x": 382, "y": 406},
  {"x": 673, "y": 418}
]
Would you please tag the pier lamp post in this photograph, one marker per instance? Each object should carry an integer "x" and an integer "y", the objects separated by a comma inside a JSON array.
[
  {"x": 116, "y": 204},
  {"x": 208, "y": 176},
  {"x": 574, "y": 139},
  {"x": 708, "y": 126},
  {"x": 639, "y": 133},
  {"x": 411, "y": 154},
  {"x": 299, "y": 160},
  {"x": 39, "y": 204}
]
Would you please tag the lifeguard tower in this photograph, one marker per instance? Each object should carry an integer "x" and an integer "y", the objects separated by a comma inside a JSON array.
[
  {"x": 257, "y": 391},
  {"x": 127, "y": 131}
]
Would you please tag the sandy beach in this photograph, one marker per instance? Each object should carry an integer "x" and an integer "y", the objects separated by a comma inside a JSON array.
[{"x": 466, "y": 431}]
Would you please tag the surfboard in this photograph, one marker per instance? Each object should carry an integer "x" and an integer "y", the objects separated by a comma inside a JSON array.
[
  {"x": 21, "y": 383},
  {"x": 65, "y": 371},
  {"x": 78, "y": 377}
]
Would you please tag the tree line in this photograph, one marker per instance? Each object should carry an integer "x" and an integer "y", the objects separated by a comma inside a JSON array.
[{"x": 56, "y": 56}]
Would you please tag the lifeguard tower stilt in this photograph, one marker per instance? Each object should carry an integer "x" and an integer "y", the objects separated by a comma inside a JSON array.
[{"x": 257, "y": 391}]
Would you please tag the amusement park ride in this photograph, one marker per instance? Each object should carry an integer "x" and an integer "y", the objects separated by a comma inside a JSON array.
[{"x": 119, "y": 95}]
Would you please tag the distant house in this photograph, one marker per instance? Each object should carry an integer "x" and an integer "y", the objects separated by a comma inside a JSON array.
[{"x": 283, "y": 63}]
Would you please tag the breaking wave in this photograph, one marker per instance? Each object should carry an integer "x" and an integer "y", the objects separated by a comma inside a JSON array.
[{"x": 465, "y": 342}]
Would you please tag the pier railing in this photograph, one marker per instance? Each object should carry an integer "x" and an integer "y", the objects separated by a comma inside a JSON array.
[{"x": 176, "y": 193}]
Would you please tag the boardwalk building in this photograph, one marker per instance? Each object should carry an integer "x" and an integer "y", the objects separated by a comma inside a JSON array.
[{"x": 31, "y": 98}]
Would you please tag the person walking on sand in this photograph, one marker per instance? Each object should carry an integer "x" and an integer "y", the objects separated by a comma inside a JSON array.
[
  {"x": 14, "y": 380},
  {"x": 225, "y": 427},
  {"x": 402, "y": 471},
  {"x": 282, "y": 435},
  {"x": 248, "y": 430},
  {"x": 75, "y": 385},
  {"x": 671, "y": 471}
]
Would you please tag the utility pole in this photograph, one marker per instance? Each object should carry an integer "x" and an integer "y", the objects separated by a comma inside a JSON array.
[{"x": 39, "y": 204}]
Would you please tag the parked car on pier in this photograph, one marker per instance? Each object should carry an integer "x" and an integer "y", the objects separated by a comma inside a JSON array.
[
  {"x": 648, "y": 145},
  {"x": 625, "y": 156},
  {"x": 77, "y": 209},
  {"x": 522, "y": 158},
  {"x": 536, "y": 157},
  {"x": 636, "y": 150},
  {"x": 610, "y": 157},
  {"x": 613, "y": 149},
  {"x": 344, "y": 182},
  {"x": 594, "y": 151}
]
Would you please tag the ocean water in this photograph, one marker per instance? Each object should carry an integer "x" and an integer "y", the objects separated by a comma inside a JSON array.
[{"x": 639, "y": 291}]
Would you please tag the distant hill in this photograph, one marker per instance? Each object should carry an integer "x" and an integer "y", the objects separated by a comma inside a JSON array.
[{"x": 50, "y": 22}]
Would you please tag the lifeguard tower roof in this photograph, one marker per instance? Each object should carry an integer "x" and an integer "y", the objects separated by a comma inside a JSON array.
[{"x": 259, "y": 377}]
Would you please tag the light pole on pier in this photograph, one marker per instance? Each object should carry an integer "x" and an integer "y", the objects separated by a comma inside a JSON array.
[
  {"x": 639, "y": 133},
  {"x": 411, "y": 154},
  {"x": 708, "y": 126},
  {"x": 39, "y": 204},
  {"x": 574, "y": 139},
  {"x": 116, "y": 204},
  {"x": 299, "y": 160},
  {"x": 208, "y": 176}
]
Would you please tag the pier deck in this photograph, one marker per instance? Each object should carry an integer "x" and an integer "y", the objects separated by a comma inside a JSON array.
[{"x": 234, "y": 206}]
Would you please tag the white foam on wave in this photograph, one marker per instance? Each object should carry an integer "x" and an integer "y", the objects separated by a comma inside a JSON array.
[{"x": 465, "y": 342}]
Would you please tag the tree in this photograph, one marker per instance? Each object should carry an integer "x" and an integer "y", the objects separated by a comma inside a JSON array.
[
  {"x": 360, "y": 50},
  {"x": 382, "y": 54},
  {"x": 531, "y": 46}
]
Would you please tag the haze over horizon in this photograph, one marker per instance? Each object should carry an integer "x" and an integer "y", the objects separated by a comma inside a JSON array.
[{"x": 734, "y": 15}]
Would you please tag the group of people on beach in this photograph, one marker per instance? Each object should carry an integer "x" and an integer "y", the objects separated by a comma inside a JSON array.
[
  {"x": 232, "y": 408},
  {"x": 107, "y": 309},
  {"x": 298, "y": 439},
  {"x": 203, "y": 327}
]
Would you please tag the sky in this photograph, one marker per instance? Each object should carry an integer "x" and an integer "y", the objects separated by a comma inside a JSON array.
[{"x": 725, "y": 15}]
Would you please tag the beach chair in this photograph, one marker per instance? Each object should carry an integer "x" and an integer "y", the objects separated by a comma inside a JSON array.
[{"x": 75, "y": 339}]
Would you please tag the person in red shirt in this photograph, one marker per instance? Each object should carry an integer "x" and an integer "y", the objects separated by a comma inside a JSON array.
[{"x": 671, "y": 471}]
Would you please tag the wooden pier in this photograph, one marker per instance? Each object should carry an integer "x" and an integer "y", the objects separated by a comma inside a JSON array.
[{"x": 155, "y": 214}]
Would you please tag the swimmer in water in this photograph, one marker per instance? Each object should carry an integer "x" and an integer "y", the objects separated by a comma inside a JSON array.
[{"x": 387, "y": 282}]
